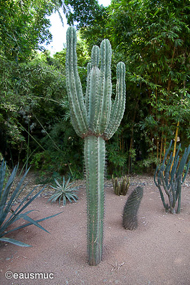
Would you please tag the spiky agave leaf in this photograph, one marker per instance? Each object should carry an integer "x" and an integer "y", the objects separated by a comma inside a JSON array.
[
  {"x": 20, "y": 208},
  {"x": 14, "y": 241},
  {"x": 31, "y": 222},
  {"x": 6, "y": 203}
]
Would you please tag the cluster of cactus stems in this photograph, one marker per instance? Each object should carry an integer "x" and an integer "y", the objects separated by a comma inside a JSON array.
[
  {"x": 130, "y": 219},
  {"x": 120, "y": 188},
  {"x": 169, "y": 177},
  {"x": 95, "y": 119}
]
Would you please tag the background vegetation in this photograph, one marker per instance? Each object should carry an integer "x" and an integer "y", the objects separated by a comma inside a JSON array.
[{"x": 151, "y": 37}]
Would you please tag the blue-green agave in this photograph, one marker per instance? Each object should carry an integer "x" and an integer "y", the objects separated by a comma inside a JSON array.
[
  {"x": 64, "y": 192},
  {"x": 10, "y": 212}
]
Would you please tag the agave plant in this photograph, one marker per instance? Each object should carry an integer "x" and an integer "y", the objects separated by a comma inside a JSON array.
[
  {"x": 64, "y": 192},
  {"x": 9, "y": 212}
]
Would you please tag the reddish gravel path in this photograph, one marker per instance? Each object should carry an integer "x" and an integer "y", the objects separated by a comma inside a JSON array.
[{"x": 156, "y": 253}]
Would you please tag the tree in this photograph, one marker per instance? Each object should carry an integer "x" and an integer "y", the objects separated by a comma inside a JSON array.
[
  {"x": 153, "y": 36},
  {"x": 90, "y": 18},
  {"x": 84, "y": 13},
  {"x": 34, "y": 87},
  {"x": 24, "y": 26}
]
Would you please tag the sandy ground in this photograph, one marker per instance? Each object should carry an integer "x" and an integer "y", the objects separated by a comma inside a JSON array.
[{"x": 156, "y": 253}]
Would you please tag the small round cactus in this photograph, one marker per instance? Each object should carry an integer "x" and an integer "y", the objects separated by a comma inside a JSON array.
[{"x": 130, "y": 221}]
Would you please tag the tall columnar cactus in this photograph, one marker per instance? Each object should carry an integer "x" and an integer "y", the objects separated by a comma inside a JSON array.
[
  {"x": 95, "y": 119},
  {"x": 169, "y": 177}
]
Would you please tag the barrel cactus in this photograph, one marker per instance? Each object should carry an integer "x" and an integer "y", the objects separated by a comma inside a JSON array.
[
  {"x": 121, "y": 188},
  {"x": 95, "y": 119},
  {"x": 130, "y": 220}
]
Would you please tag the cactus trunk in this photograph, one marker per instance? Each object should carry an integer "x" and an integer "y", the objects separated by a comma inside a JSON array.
[{"x": 94, "y": 153}]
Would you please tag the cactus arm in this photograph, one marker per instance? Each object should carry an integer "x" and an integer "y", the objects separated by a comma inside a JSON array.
[
  {"x": 175, "y": 162},
  {"x": 177, "y": 153},
  {"x": 164, "y": 184},
  {"x": 93, "y": 89},
  {"x": 167, "y": 170},
  {"x": 162, "y": 198},
  {"x": 188, "y": 166},
  {"x": 169, "y": 175},
  {"x": 94, "y": 153},
  {"x": 174, "y": 168},
  {"x": 172, "y": 196},
  {"x": 118, "y": 107},
  {"x": 159, "y": 186},
  {"x": 155, "y": 176},
  {"x": 183, "y": 161},
  {"x": 74, "y": 88},
  {"x": 105, "y": 85},
  {"x": 94, "y": 99},
  {"x": 179, "y": 196},
  {"x": 87, "y": 98},
  {"x": 166, "y": 154},
  {"x": 95, "y": 56},
  {"x": 182, "y": 164}
]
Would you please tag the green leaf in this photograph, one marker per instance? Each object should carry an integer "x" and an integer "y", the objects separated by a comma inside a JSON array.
[{"x": 13, "y": 241}]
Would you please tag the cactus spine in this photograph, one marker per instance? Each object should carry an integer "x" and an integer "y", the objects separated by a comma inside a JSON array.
[{"x": 95, "y": 119}]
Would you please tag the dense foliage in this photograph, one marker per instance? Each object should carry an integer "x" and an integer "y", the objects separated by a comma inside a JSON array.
[{"x": 151, "y": 37}]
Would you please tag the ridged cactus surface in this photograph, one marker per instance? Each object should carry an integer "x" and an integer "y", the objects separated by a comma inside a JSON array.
[
  {"x": 121, "y": 188},
  {"x": 95, "y": 119},
  {"x": 94, "y": 149},
  {"x": 169, "y": 177},
  {"x": 130, "y": 219}
]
